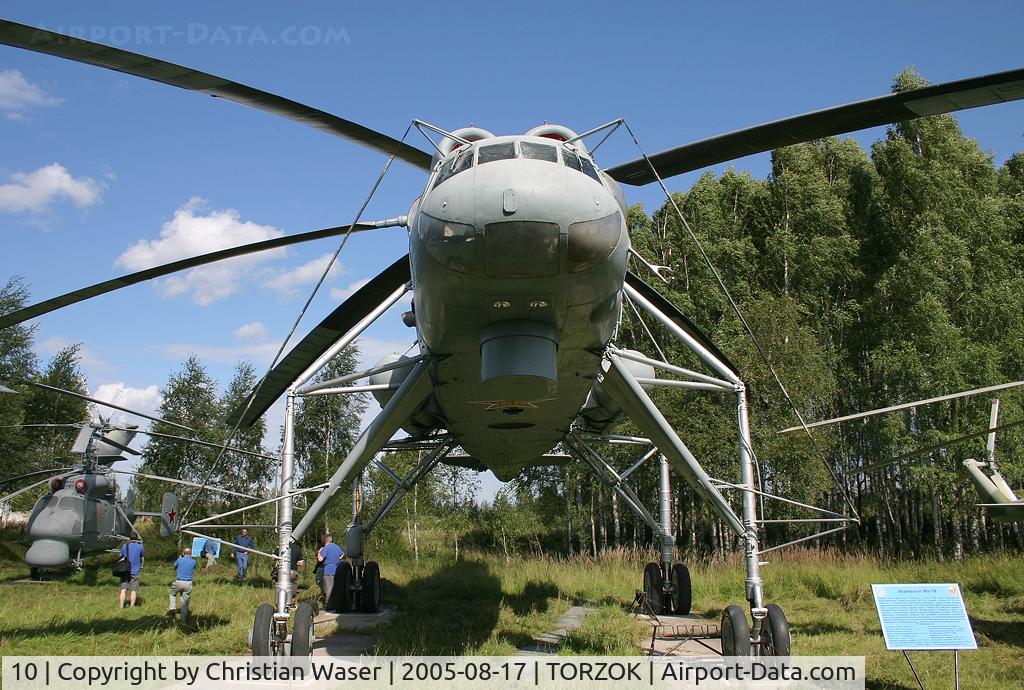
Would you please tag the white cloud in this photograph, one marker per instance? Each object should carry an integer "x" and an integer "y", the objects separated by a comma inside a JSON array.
[
  {"x": 146, "y": 400},
  {"x": 253, "y": 332},
  {"x": 18, "y": 94},
  {"x": 286, "y": 282},
  {"x": 259, "y": 354},
  {"x": 35, "y": 191},
  {"x": 190, "y": 233},
  {"x": 91, "y": 362},
  {"x": 344, "y": 293}
]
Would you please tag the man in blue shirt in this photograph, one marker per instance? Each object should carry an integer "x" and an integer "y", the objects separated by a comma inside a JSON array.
[
  {"x": 242, "y": 557},
  {"x": 184, "y": 568},
  {"x": 135, "y": 554},
  {"x": 330, "y": 555},
  {"x": 211, "y": 548}
]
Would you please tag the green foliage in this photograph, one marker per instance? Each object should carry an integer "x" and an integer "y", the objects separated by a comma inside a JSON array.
[{"x": 17, "y": 364}]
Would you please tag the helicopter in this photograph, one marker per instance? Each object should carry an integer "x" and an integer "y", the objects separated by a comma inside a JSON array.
[
  {"x": 518, "y": 269},
  {"x": 83, "y": 511}
]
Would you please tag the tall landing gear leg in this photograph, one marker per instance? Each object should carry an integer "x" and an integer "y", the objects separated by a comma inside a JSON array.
[{"x": 678, "y": 591}]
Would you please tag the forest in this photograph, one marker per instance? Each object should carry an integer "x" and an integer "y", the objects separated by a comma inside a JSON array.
[{"x": 870, "y": 278}]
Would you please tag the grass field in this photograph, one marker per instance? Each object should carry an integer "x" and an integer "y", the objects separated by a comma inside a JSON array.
[{"x": 483, "y": 604}]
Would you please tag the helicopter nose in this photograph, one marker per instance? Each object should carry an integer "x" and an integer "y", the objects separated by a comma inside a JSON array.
[{"x": 47, "y": 553}]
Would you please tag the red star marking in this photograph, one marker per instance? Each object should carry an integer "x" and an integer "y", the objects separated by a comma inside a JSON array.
[{"x": 170, "y": 516}]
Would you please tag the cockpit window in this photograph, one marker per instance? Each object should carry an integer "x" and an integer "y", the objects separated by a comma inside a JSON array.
[
  {"x": 581, "y": 163},
  {"x": 571, "y": 159},
  {"x": 463, "y": 162},
  {"x": 540, "y": 152},
  {"x": 497, "y": 152},
  {"x": 457, "y": 164},
  {"x": 589, "y": 169}
]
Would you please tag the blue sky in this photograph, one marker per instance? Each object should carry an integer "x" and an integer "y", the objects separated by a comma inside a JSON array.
[{"x": 95, "y": 166}]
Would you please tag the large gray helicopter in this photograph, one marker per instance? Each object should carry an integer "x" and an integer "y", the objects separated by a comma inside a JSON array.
[
  {"x": 83, "y": 511},
  {"x": 517, "y": 263}
]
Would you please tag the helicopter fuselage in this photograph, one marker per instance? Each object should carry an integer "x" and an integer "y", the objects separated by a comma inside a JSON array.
[
  {"x": 79, "y": 517},
  {"x": 518, "y": 248}
]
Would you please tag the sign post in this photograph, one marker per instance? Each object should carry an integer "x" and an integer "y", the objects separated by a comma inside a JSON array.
[{"x": 926, "y": 617}]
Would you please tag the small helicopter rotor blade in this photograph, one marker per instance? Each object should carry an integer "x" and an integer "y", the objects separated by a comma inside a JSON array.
[
  {"x": 903, "y": 406},
  {"x": 111, "y": 442},
  {"x": 79, "y": 50},
  {"x": 5, "y": 389},
  {"x": 990, "y": 89},
  {"x": 323, "y": 335},
  {"x": 112, "y": 405},
  {"x": 67, "y": 299},
  {"x": 218, "y": 446},
  {"x": 31, "y": 426},
  {"x": 11, "y": 480},
  {"x": 938, "y": 446}
]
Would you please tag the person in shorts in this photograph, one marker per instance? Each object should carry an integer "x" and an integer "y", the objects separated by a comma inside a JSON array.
[
  {"x": 184, "y": 568},
  {"x": 134, "y": 552}
]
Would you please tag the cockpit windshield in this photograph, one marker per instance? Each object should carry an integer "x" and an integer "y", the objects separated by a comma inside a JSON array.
[
  {"x": 581, "y": 163},
  {"x": 540, "y": 152},
  {"x": 457, "y": 164},
  {"x": 497, "y": 152}
]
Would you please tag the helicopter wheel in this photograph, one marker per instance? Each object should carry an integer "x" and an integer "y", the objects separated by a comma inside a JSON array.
[
  {"x": 775, "y": 637},
  {"x": 263, "y": 631},
  {"x": 682, "y": 589},
  {"x": 302, "y": 633},
  {"x": 341, "y": 595},
  {"x": 34, "y": 574},
  {"x": 735, "y": 632},
  {"x": 653, "y": 584},
  {"x": 369, "y": 601}
]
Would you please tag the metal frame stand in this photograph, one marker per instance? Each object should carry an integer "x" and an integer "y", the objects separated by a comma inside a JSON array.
[{"x": 629, "y": 393}]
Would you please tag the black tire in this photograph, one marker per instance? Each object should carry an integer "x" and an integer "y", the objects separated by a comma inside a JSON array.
[
  {"x": 341, "y": 595},
  {"x": 34, "y": 574},
  {"x": 302, "y": 632},
  {"x": 775, "y": 637},
  {"x": 735, "y": 632},
  {"x": 653, "y": 587},
  {"x": 682, "y": 590},
  {"x": 263, "y": 630},
  {"x": 369, "y": 599}
]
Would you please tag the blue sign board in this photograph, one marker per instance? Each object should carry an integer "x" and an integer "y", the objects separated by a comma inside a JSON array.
[{"x": 923, "y": 616}]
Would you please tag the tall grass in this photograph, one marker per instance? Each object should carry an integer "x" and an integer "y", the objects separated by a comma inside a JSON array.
[{"x": 483, "y": 603}]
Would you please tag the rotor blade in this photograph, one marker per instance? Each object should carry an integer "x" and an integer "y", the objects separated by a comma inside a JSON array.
[
  {"x": 903, "y": 406},
  {"x": 1001, "y": 87},
  {"x": 5, "y": 389},
  {"x": 215, "y": 489},
  {"x": 79, "y": 50},
  {"x": 681, "y": 320},
  {"x": 218, "y": 446},
  {"x": 34, "y": 310},
  {"x": 119, "y": 446},
  {"x": 317, "y": 341},
  {"x": 112, "y": 405},
  {"x": 11, "y": 480},
  {"x": 938, "y": 446}
]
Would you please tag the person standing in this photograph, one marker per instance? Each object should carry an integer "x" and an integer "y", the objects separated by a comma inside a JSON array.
[
  {"x": 135, "y": 554},
  {"x": 242, "y": 557},
  {"x": 212, "y": 549},
  {"x": 184, "y": 569},
  {"x": 330, "y": 555}
]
